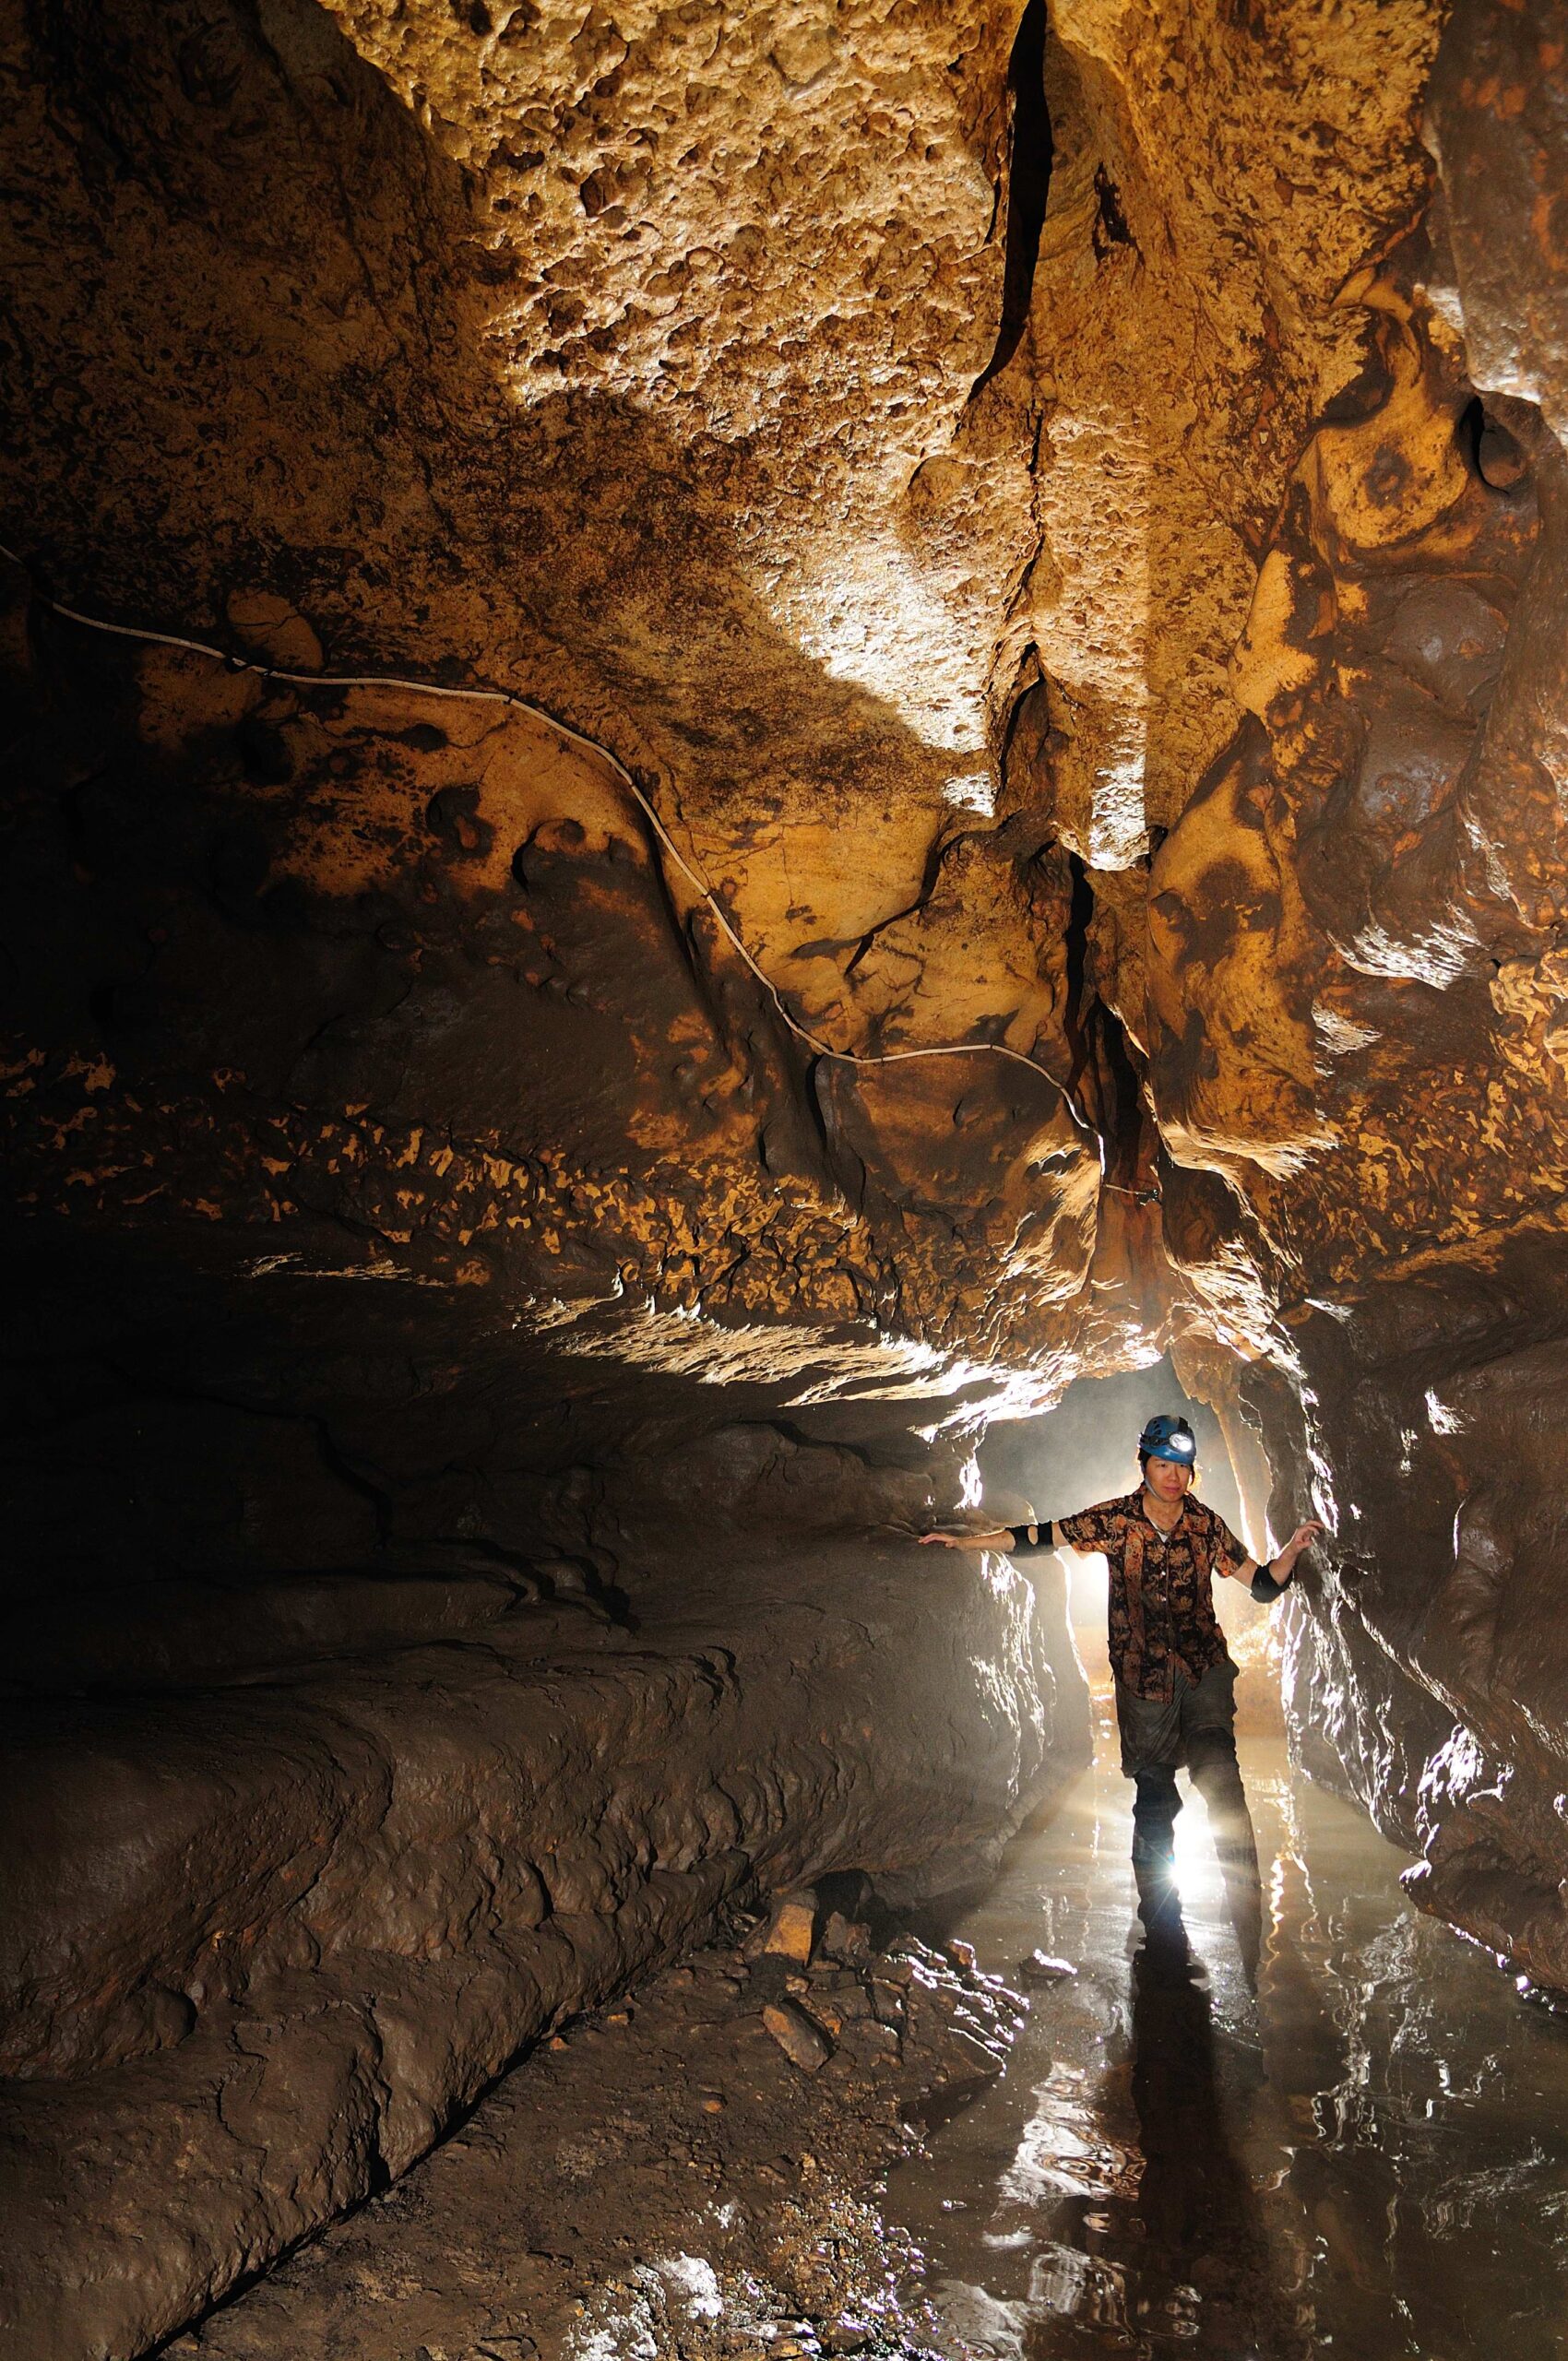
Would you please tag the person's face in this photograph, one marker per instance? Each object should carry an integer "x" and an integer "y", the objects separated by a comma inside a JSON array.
[{"x": 1166, "y": 1480}]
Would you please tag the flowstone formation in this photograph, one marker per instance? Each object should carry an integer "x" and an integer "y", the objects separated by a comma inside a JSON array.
[
  {"x": 736, "y": 734},
  {"x": 1356, "y": 1001}
]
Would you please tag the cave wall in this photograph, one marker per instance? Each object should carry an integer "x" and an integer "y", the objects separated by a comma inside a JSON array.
[
  {"x": 817, "y": 420},
  {"x": 1354, "y": 999},
  {"x": 408, "y": 1686},
  {"x": 270, "y": 1931},
  {"x": 1032, "y": 535}
]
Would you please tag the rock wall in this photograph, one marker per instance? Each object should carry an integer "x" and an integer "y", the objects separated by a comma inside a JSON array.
[
  {"x": 804, "y": 726},
  {"x": 271, "y": 1932},
  {"x": 1354, "y": 963}
]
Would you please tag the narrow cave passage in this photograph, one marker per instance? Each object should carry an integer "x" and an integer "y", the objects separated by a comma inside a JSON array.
[
  {"x": 763, "y": 763},
  {"x": 1363, "y": 2152},
  {"x": 1353, "y": 2144}
]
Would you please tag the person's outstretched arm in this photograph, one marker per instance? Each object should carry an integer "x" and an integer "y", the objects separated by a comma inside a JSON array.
[
  {"x": 1268, "y": 1583},
  {"x": 1016, "y": 1540},
  {"x": 999, "y": 1537}
]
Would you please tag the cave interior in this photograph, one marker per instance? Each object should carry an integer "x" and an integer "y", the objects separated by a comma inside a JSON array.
[{"x": 761, "y": 763}]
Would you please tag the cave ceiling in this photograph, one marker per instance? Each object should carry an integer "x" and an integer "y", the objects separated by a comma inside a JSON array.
[{"x": 907, "y": 444}]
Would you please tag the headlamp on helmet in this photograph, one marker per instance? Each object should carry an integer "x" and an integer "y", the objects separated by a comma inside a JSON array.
[{"x": 1169, "y": 1438}]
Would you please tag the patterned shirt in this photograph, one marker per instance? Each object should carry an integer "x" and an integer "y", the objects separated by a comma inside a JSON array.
[{"x": 1162, "y": 1618}]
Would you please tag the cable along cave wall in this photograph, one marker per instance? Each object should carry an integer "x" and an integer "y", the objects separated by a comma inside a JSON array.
[{"x": 1031, "y": 539}]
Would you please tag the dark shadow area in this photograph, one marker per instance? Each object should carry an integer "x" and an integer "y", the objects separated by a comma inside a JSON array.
[
  {"x": 1029, "y": 185},
  {"x": 1103, "y": 1080},
  {"x": 1194, "y": 2200}
]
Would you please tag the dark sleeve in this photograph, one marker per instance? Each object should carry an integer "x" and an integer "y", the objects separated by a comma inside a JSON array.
[
  {"x": 1030, "y": 1538},
  {"x": 1225, "y": 1544},
  {"x": 1091, "y": 1528}
]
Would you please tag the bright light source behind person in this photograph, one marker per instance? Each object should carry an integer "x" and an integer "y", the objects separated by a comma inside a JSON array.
[{"x": 1175, "y": 1683}]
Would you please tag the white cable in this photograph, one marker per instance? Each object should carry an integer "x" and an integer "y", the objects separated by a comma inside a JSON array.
[{"x": 577, "y": 738}]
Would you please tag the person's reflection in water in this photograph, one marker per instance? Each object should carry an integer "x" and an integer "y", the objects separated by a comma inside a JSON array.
[{"x": 1204, "y": 2240}]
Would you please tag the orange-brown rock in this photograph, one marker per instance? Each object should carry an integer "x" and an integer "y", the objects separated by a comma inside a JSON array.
[
  {"x": 1354, "y": 999},
  {"x": 1025, "y": 553}
]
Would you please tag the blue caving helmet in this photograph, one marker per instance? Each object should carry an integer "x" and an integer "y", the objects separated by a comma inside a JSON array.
[{"x": 1169, "y": 1438}]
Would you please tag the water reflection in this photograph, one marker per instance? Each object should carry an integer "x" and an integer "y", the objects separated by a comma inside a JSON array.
[
  {"x": 1366, "y": 2155},
  {"x": 1204, "y": 2235}
]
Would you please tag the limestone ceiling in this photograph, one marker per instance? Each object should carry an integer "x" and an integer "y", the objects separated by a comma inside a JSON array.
[{"x": 905, "y": 438}]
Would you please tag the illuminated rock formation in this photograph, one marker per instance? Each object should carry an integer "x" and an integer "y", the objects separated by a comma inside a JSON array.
[
  {"x": 1025, "y": 557},
  {"x": 1354, "y": 995}
]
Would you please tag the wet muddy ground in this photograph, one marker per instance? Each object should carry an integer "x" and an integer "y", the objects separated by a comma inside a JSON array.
[
  {"x": 1368, "y": 2158},
  {"x": 694, "y": 2174}
]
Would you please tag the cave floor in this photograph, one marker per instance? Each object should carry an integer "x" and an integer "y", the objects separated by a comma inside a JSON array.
[{"x": 1368, "y": 2159}]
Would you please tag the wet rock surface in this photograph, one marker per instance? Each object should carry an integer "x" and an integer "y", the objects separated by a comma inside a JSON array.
[
  {"x": 1364, "y": 2156},
  {"x": 265, "y": 1943},
  {"x": 663, "y": 2178}
]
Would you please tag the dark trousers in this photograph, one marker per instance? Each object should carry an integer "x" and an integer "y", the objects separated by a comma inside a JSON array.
[{"x": 1196, "y": 1727}]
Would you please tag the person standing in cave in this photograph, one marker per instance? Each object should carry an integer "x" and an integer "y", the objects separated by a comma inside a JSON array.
[{"x": 1175, "y": 1681}]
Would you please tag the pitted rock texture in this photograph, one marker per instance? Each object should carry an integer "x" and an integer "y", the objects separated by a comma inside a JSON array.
[
  {"x": 866, "y": 432},
  {"x": 1355, "y": 1001},
  {"x": 422, "y": 998},
  {"x": 1020, "y": 530}
]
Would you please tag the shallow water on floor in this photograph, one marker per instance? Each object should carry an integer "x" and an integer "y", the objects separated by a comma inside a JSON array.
[{"x": 1367, "y": 2160}]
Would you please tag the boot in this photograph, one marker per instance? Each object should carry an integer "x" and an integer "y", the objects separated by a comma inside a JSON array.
[{"x": 1154, "y": 1864}]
